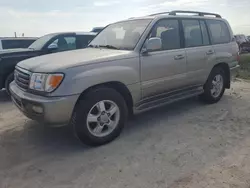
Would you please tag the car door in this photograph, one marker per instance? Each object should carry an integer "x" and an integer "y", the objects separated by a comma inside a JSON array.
[
  {"x": 199, "y": 51},
  {"x": 164, "y": 70}
]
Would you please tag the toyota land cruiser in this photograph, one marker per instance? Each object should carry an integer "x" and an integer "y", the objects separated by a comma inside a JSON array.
[{"x": 131, "y": 66}]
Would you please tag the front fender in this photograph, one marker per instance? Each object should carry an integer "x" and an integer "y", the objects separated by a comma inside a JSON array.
[{"x": 79, "y": 79}]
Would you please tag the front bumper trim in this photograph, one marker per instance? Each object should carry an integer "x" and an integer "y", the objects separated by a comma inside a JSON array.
[{"x": 56, "y": 110}]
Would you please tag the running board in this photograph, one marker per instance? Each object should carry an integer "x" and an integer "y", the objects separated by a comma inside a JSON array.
[{"x": 167, "y": 100}]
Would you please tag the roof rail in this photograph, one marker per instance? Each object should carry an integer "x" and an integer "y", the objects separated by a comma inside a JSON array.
[
  {"x": 194, "y": 12},
  {"x": 159, "y": 13}
]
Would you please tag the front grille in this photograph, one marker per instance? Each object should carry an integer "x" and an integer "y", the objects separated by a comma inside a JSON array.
[{"x": 22, "y": 78}]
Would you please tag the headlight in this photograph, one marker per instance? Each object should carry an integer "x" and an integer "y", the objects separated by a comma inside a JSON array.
[{"x": 45, "y": 82}]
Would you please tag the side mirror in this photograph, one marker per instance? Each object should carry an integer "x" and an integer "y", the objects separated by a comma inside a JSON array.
[
  {"x": 153, "y": 44},
  {"x": 52, "y": 47}
]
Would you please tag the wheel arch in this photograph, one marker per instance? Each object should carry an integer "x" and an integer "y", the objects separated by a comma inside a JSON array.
[
  {"x": 119, "y": 87},
  {"x": 225, "y": 67},
  {"x": 4, "y": 78}
]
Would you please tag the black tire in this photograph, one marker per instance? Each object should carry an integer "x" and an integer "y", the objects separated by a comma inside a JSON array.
[
  {"x": 84, "y": 105},
  {"x": 9, "y": 79},
  {"x": 207, "y": 95}
]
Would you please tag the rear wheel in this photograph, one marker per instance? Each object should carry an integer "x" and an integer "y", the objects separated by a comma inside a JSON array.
[
  {"x": 9, "y": 79},
  {"x": 215, "y": 86},
  {"x": 99, "y": 116}
]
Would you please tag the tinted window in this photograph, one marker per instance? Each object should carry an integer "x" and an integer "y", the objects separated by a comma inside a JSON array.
[
  {"x": 192, "y": 33},
  {"x": 71, "y": 42},
  {"x": 15, "y": 43},
  {"x": 204, "y": 31},
  {"x": 168, "y": 31},
  {"x": 84, "y": 40},
  {"x": 97, "y": 30},
  {"x": 219, "y": 31},
  {"x": 65, "y": 43}
]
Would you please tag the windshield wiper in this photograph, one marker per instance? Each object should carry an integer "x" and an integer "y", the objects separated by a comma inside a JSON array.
[
  {"x": 108, "y": 46},
  {"x": 92, "y": 46},
  {"x": 102, "y": 46}
]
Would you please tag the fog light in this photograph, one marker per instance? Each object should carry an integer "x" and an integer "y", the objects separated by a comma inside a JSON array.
[{"x": 37, "y": 109}]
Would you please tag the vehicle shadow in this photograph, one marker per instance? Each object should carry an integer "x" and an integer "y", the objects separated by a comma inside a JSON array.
[
  {"x": 165, "y": 117},
  {"x": 4, "y": 96},
  {"x": 33, "y": 140},
  {"x": 163, "y": 113}
]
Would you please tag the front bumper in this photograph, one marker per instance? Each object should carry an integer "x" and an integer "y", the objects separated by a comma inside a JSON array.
[{"x": 50, "y": 110}]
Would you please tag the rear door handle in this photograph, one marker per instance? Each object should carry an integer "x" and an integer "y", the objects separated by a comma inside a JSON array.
[
  {"x": 178, "y": 57},
  {"x": 210, "y": 52}
]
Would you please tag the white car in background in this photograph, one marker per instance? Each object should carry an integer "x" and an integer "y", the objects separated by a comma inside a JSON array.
[{"x": 18, "y": 42}]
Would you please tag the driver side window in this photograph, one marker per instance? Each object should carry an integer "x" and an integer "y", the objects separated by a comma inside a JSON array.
[
  {"x": 168, "y": 31},
  {"x": 63, "y": 43}
]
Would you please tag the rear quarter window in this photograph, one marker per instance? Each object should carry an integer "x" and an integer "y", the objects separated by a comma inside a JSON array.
[
  {"x": 219, "y": 31},
  {"x": 84, "y": 40}
]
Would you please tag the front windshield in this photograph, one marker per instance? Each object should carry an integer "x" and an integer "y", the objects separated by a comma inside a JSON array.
[
  {"x": 39, "y": 43},
  {"x": 123, "y": 35}
]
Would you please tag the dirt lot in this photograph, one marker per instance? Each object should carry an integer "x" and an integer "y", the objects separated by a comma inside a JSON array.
[{"x": 187, "y": 144}]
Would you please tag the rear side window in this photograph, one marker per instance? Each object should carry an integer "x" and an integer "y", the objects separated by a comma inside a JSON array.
[
  {"x": 9, "y": 44},
  {"x": 195, "y": 33},
  {"x": 168, "y": 31},
  {"x": 219, "y": 32},
  {"x": 71, "y": 41},
  {"x": 84, "y": 40},
  {"x": 64, "y": 43},
  {"x": 192, "y": 33}
]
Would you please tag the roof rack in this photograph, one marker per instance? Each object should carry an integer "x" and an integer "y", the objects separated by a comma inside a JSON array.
[
  {"x": 194, "y": 12},
  {"x": 188, "y": 12},
  {"x": 159, "y": 13}
]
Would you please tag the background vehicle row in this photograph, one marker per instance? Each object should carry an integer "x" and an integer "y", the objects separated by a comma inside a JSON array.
[
  {"x": 18, "y": 42},
  {"x": 51, "y": 43}
]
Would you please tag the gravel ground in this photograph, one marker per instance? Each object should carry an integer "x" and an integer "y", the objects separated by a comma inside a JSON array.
[{"x": 186, "y": 144}]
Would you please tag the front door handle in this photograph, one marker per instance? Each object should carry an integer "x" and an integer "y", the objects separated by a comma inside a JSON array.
[
  {"x": 178, "y": 57},
  {"x": 210, "y": 52}
]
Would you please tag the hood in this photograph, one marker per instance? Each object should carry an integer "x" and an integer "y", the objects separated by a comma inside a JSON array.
[
  {"x": 63, "y": 60},
  {"x": 14, "y": 51}
]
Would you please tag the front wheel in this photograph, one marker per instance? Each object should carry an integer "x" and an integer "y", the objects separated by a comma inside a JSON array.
[
  {"x": 215, "y": 86},
  {"x": 99, "y": 116}
]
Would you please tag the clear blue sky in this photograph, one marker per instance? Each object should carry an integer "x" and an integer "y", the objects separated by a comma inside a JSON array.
[{"x": 36, "y": 18}]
